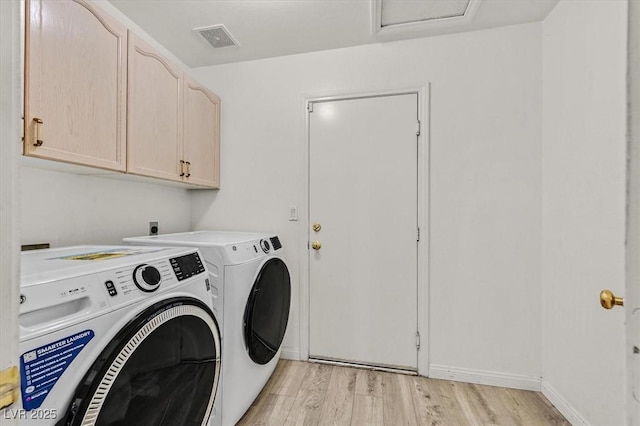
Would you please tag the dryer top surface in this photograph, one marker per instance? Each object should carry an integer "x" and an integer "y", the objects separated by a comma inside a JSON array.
[
  {"x": 200, "y": 238},
  {"x": 219, "y": 248}
]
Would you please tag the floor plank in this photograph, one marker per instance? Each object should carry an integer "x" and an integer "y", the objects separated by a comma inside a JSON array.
[
  {"x": 477, "y": 400},
  {"x": 428, "y": 403},
  {"x": 338, "y": 404},
  {"x": 308, "y": 403},
  {"x": 367, "y": 411},
  {"x": 451, "y": 410},
  {"x": 398, "y": 402},
  {"x": 303, "y": 393},
  {"x": 369, "y": 383},
  {"x": 291, "y": 380}
]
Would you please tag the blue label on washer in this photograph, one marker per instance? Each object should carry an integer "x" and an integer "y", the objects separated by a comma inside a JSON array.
[{"x": 41, "y": 368}]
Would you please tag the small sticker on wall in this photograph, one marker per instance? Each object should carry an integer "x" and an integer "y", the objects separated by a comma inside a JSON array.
[{"x": 40, "y": 368}]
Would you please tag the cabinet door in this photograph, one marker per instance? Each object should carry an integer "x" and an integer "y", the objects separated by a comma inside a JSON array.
[
  {"x": 75, "y": 84},
  {"x": 201, "y": 135},
  {"x": 154, "y": 117}
]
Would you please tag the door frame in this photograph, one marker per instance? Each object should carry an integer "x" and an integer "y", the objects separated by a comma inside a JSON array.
[
  {"x": 632, "y": 231},
  {"x": 11, "y": 45},
  {"x": 424, "y": 139}
]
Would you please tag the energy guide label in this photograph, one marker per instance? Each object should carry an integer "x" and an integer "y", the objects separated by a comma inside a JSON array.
[{"x": 40, "y": 368}]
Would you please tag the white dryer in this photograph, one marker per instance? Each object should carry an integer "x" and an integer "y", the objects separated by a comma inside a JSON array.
[
  {"x": 256, "y": 294},
  {"x": 117, "y": 336}
]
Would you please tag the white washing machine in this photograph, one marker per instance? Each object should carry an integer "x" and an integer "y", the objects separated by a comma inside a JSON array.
[
  {"x": 256, "y": 296},
  {"x": 117, "y": 336}
]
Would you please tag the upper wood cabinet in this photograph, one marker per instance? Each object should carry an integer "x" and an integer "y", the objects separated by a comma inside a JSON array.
[
  {"x": 173, "y": 122},
  {"x": 201, "y": 135},
  {"x": 155, "y": 113},
  {"x": 98, "y": 95},
  {"x": 75, "y": 84}
]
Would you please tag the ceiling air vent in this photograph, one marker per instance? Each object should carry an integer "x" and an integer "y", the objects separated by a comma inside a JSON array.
[{"x": 217, "y": 36}]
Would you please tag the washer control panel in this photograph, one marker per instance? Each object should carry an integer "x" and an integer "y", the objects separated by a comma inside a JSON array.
[
  {"x": 187, "y": 266},
  {"x": 127, "y": 283},
  {"x": 91, "y": 279},
  {"x": 147, "y": 278}
]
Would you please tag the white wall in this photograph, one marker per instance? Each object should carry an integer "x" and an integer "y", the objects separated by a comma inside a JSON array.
[
  {"x": 66, "y": 209},
  {"x": 583, "y": 220},
  {"x": 485, "y": 177}
]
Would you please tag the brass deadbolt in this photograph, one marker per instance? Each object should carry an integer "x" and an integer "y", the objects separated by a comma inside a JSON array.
[
  {"x": 608, "y": 300},
  {"x": 317, "y": 227}
]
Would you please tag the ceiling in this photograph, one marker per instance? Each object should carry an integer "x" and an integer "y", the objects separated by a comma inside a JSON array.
[{"x": 268, "y": 28}]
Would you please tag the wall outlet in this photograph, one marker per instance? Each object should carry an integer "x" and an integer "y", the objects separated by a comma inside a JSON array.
[{"x": 153, "y": 228}]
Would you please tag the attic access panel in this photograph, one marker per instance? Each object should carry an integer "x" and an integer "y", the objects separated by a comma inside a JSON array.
[
  {"x": 397, "y": 19},
  {"x": 396, "y": 12}
]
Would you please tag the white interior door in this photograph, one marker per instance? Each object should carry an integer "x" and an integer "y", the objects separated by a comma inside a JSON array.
[{"x": 363, "y": 174}]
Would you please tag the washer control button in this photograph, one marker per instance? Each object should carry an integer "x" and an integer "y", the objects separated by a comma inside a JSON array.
[
  {"x": 111, "y": 288},
  {"x": 147, "y": 278},
  {"x": 264, "y": 244}
]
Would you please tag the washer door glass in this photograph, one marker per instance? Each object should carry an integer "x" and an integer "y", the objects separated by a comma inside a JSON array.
[
  {"x": 267, "y": 311},
  {"x": 162, "y": 370}
]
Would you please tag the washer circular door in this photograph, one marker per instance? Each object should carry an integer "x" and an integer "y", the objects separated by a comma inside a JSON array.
[
  {"x": 267, "y": 311},
  {"x": 161, "y": 369}
]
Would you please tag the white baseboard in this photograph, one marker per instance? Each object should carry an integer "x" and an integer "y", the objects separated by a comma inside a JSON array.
[
  {"x": 562, "y": 405},
  {"x": 491, "y": 378},
  {"x": 289, "y": 353}
]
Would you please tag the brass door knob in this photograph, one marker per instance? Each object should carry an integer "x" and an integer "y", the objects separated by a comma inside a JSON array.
[
  {"x": 316, "y": 245},
  {"x": 608, "y": 300}
]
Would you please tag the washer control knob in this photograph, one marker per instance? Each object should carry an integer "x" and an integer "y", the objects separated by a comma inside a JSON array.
[
  {"x": 264, "y": 244},
  {"x": 147, "y": 278}
]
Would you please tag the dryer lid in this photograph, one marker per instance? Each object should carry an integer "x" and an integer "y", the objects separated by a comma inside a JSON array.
[{"x": 198, "y": 238}]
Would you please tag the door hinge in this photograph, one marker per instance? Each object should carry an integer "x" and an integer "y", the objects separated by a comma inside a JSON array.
[
  {"x": 310, "y": 107},
  {"x": 418, "y": 234},
  {"x": 417, "y": 127},
  {"x": 417, "y": 340}
]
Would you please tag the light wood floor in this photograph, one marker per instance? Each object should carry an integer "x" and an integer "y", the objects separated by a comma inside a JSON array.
[{"x": 302, "y": 393}]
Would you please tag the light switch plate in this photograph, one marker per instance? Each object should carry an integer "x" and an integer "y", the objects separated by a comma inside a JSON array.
[{"x": 293, "y": 213}]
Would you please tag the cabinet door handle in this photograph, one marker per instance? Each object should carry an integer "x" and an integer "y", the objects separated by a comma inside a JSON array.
[
  {"x": 181, "y": 168},
  {"x": 188, "y": 169},
  {"x": 38, "y": 131}
]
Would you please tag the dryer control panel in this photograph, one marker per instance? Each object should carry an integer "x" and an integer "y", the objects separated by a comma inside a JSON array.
[{"x": 245, "y": 251}]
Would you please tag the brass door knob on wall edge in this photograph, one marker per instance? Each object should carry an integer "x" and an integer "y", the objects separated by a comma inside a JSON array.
[
  {"x": 608, "y": 300},
  {"x": 316, "y": 245}
]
